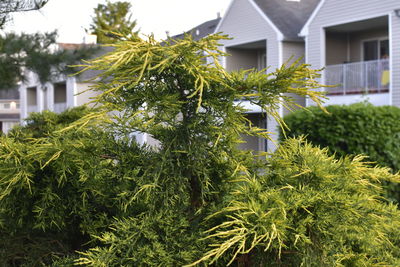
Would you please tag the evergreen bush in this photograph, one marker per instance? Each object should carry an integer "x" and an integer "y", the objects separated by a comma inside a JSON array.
[
  {"x": 305, "y": 209},
  {"x": 58, "y": 186},
  {"x": 82, "y": 182},
  {"x": 351, "y": 130}
]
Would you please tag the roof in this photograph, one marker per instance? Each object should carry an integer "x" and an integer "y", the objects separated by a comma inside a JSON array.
[
  {"x": 201, "y": 30},
  {"x": 90, "y": 74},
  {"x": 288, "y": 16},
  {"x": 71, "y": 46}
]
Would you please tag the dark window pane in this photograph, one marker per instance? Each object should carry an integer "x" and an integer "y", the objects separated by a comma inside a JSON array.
[
  {"x": 384, "y": 53},
  {"x": 371, "y": 50}
]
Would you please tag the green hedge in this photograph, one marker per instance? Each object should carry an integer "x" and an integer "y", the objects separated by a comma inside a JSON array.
[{"x": 354, "y": 129}]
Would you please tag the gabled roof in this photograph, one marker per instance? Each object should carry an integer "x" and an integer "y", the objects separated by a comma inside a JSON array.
[
  {"x": 12, "y": 93},
  {"x": 201, "y": 30},
  {"x": 288, "y": 16}
]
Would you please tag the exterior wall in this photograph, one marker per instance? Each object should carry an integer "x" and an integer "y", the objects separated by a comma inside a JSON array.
[
  {"x": 357, "y": 39},
  {"x": 9, "y": 106},
  {"x": 244, "y": 23},
  {"x": 241, "y": 59},
  {"x": 374, "y": 99},
  {"x": 45, "y": 97},
  {"x": 71, "y": 92},
  {"x": 26, "y": 97},
  {"x": 9, "y": 114},
  {"x": 291, "y": 52},
  {"x": 84, "y": 95},
  {"x": 347, "y": 47},
  {"x": 8, "y": 125},
  {"x": 337, "y": 45},
  {"x": 336, "y": 12},
  {"x": 252, "y": 142}
]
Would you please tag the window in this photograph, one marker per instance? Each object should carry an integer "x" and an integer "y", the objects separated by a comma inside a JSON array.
[
  {"x": 7, "y": 106},
  {"x": 375, "y": 49}
]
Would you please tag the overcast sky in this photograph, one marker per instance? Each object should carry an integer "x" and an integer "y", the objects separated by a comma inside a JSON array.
[{"x": 72, "y": 17}]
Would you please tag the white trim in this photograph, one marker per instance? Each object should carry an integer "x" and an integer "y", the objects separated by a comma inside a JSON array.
[
  {"x": 348, "y": 56},
  {"x": 390, "y": 35},
  {"x": 304, "y": 30},
  {"x": 280, "y": 53},
  {"x": 224, "y": 16},
  {"x": 279, "y": 34},
  {"x": 306, "y": 61},
  {"x": 323, "y": 48},
  {"x": 232, "y": 45},
  {"x": 322, "y": 54},
  {"x": 223, "y": 58}
]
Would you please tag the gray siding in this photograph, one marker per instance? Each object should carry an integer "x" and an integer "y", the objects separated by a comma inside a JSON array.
[
  {"x": 245, "y": 25},
  {"x": 357, "y": 39},
  {"x": 241, "y": 59},
  {"x": 336, "y": 44},
  {"x": 252, "y": 142},
  {"x": 293, "y": 51},
  {"x": 336, "y": 12}
]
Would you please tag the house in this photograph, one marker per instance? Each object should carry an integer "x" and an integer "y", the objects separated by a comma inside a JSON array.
[
  {"x": 201, "y": 30},
  {"x": 61, "y": 93},
  {"x": 9, "y": 109},
  {"x": 358, "y": 44},
  {"x": 265, "y": 33}
]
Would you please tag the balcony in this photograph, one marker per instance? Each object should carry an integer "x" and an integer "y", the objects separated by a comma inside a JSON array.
[{"x": 366, "y": 77}]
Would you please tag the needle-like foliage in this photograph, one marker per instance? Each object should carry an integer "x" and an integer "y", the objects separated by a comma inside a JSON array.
[{"x": 190, "y": 196}]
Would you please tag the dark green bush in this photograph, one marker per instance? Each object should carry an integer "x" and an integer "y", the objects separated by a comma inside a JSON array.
[{"x": 351, "y": 130}]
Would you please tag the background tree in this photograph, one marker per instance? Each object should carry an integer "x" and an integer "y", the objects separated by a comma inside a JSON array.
[
  {"x": 38, "y": 53},
  {"x": 112, "y": 18},
  {"x": 11, "y": 6}
]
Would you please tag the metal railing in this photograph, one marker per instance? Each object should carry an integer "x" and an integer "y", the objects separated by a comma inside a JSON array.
[{"x": 358, "y": 77}]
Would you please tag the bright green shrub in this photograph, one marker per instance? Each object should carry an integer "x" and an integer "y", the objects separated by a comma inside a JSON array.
[
  {"x": 194, "y": 197},
  {"x": 305, "y": 209},
  {"x": 57, "y": 188},
  {"x": 206, "y": 202},
  {"x": 351, "y": 130}
]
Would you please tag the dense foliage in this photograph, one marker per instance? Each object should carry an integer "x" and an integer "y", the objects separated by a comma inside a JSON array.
[
  {"x": 112, "y": 18},
  {"x": 37, "y": 53},
  {"x": 193, "y": 198},
  {"x": 354, "y": 129},
  {"x": 58, "y": 186}
]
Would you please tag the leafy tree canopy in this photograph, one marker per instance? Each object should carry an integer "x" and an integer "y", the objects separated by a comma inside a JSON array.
[{"x": 112, "y": 18}]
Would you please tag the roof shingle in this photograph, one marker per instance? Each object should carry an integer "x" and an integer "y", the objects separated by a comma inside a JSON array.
[{"x": 288, "y": 16}]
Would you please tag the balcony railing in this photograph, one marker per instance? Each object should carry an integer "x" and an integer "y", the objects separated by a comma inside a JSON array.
[
  {"x": 60, "y": 107},
  {"x": 358, "y": 78}
]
